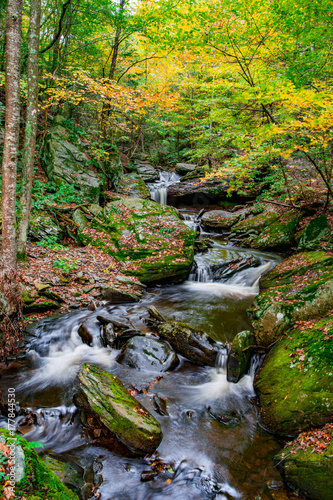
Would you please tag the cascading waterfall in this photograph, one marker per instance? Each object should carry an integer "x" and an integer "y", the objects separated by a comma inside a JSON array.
[
  {"x": 159, "y": 189},
  {"x": 191, "y": 221}
]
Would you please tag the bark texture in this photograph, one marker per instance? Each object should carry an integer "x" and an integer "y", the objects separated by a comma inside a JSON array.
[
  {"x": 12, "y": 123},
  {"x": 30, "y": 127}
]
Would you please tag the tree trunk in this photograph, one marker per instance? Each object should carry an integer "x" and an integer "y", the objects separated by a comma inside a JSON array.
[
  {"x": 30, "y": 127},
  {"x": 12, "y": 124}
]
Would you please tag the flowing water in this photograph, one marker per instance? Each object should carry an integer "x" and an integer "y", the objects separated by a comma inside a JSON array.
[
  {"x": 212, "y": 437},
  {"x": 159, "y": 189}
]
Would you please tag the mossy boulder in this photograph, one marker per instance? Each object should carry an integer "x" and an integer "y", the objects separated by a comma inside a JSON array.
[
  {"x": 39, "y": 482},
  {"x": 219, "y": 219},
  {"x": 69, "y": 473},
  {"x": 295, "y": 383},
  {"x": 297, "y": 289},
  {"x": 315, "y": 232},
  {"x": 307, "y": 469},
  {"x": 256, "y": 224},
  {"x": 64, "y": 161},
  {"x": 37, "y": 302},
  {"x": 146, "y": 353},
  {"x": 104, "y": 397},
  {"x": 151, "y": 240},
  {"x": 43, "y": 227},
  {"x": 132, "y": 185},
  {"x": 240, "y": 356},
  {"x": 279, "y": 236}
]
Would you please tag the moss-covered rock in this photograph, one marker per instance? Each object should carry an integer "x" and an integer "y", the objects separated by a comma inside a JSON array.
[
  {"x": 154, "y": 244},
  {"x": 69, "y": 473},
  {"x": 279, "y": 235},
  {"x": 64, "y": 161},
  {"x": 256, "y": 224},
  {"x": 307, "y": 470},
  {"x": 295, "y": 383},
  {"x": 219, "y": 219},
  {"x": 39, "y": 482},
  {"x": 37, "y": 302},
  {"x": 104, "y": 397},
  {"x": 42, "y": 227},
  {"x": 132, "y": 185},
  {"x": 317, "y": 231},
  {"x": 297, "y": 289},
  {"x": 240, "y": 356}
]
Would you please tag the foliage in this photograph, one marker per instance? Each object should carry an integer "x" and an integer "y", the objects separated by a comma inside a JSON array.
[
  {"x": 66, "y": 264},
  {"x": 51, "y": 242}
]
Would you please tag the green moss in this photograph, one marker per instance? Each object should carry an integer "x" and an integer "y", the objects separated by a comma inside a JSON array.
[
  {"x": 279, "y": 236},
  {"x": 299, "y": 397},
  {"x": 314, "y": 233},
  {"x": 308, "y": 472},
  {"x": 256, "y": 224},
  {"x": 39, "y": 482}
]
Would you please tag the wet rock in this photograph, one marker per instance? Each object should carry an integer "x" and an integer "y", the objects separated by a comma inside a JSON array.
[
  {"x": 88, "y": 331},
  {"x": 184, "y": 168},
  {"x": 104, "y": 318},
  {"x": 239, "y": 357},
  {"x": 133, "y": 185},
  {"x": 228, "y": 418},
  {"x": 104, "y": 397},
  {"x": 280, "y": 235},
  {"x": 34, "y": 302},
  {"x": 151, "y": 241},
  {"x": 308, "y": 472},
  {"x": 317, "y": 231},
  {"x": 146, "y": 353},
  {"x": 226, "y": 270},
  {"x": 255, "y": 224},
  {"x": 297, "y": 289},
  {"x": 193, "y": 344},
  {"x": 66, "y": 162},
  {"x": 219, "y": 219},
  {"x": 69, "y": 473},
  {"x": 295, "y": 383},
  {"x": 160, "y": 405},
  {"x": 148, "y": 475},
  {"x": 116, "y": 296}
]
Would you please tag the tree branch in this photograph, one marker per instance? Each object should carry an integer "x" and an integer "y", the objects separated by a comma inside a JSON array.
[{"x": 56, "y": 38}]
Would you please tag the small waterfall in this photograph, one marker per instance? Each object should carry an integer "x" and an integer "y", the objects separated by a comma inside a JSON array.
[
  {"x": 201, "y": 272},
  {"x": 221, "y": 360},
  {"x": 191, "y": 221},
  {"x": 159, "y": 189}
]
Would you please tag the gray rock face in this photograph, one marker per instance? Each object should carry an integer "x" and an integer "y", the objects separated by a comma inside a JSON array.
[
  {"x": 219, "y": 219},
  {"x": 145, "y": 353},
  {"x": 240, "y": 356},
  {"x": 64, "y": 162},
  {"x": 147, "y": 172},
  {"x": 42, "y": 226},
  {"x": 185, "y": 168},
  {"x": 132, "y": 185}
]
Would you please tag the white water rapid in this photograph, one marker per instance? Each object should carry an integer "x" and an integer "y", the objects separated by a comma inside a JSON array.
[{"x": 159, "y": 189}]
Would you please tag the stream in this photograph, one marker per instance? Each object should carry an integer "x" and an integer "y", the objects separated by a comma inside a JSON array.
[{"x": 212, "y": 437}]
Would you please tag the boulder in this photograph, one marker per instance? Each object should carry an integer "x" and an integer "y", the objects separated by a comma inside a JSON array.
[
  {"x": 132, "y": 185},
  {"x": 239, "y": 357},
  {"x": 149, "y": 354},
  {"x": 147, "y": 172},
  {"x": 219, "y": 219},
  {"x": 79, "y": 218},
  {"x": 43, "y": 227},
  {"x": 150, "y": 239},
  {"x": 117, "y": 296},
  {"x": 256, "y": 224},
  {"x": 37, "y": 302},
  {"x": 279, "y": 236},
  {"x": 69, "y": 473},
  {"x": 226, "y": 270},
  {"x": 105, "y": 399},
  {"x": 193, "y": 344},
  {"x": 90, "y": 330},
  {"x": 66, "y": 162},
  {"x": 113, "y": 168},
  {"x": 295, "y": 383},
  {"x": 185, "y": 168},
  {"x": 306, "y": 468},
  {"x": 297, "y": 289},
  {"x": 315, "y": 232}
]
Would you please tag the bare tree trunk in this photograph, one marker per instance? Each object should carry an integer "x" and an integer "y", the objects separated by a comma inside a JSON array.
[
  {"x": 30, "y": 127},
  {"x": 12, "y": 124}
]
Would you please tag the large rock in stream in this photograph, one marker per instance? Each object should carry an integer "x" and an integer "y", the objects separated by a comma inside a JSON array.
[
  {"x": 146, "y": 353},
  {"x": 307, "y": 464},
  {"x": 110, "y": 410},
  {"x": 150, "y": 239},
  {"x": 219, "y": 219},
  {"x": 191, "y": 343},
  {"x": 295, "y": 383},
  {"x": 297, "y": 289}
]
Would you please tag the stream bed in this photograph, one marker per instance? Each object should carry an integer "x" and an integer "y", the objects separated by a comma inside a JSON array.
[{"x": 213, "y": 441}]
